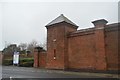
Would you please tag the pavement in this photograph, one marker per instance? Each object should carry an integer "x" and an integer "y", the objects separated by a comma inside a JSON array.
[{"x": 104, "y": 75}]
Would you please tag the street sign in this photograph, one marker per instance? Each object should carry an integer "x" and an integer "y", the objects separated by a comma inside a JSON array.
[{"x": 16, "y": 58}]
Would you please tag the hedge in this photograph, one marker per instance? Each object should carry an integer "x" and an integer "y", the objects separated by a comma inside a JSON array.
[
  {"x": 23, "y": 62},
  {"x": 26, "y": 62},
  {"x": 7, "y": 62}
]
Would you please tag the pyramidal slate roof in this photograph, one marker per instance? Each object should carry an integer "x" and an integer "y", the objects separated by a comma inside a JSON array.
[{"x": 61, "y": 18}]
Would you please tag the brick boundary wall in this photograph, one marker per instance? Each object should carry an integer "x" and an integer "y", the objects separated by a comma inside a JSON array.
[
  {"x": 87, "y": 49},
  {"x": 1, "y": 57},
  {"x": 39, "y": 58}
]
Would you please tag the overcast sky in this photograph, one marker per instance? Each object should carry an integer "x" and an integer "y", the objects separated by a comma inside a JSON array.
[{"x": 24, "y": 21}]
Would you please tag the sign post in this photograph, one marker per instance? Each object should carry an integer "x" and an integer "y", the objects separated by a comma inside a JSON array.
[{"x": 16, "y": 58}]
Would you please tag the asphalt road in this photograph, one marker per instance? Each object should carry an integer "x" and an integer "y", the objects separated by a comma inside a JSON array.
[{"x": 24, "y": 72}]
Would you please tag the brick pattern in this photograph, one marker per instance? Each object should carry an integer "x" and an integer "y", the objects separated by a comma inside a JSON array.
[
  {"x": 39, "y": 58},
  {"x": 95, "y": 48},
  {"x": 36, "y": 58},
  {"x": 100, "y": 49},
  {"x": 112, "y": 53},
  {"x": 42, "y": 59},
  {"x": 57, "y": 40},
  {"x": 1, "y": 57},
  {"x": 79, "y": 57}
]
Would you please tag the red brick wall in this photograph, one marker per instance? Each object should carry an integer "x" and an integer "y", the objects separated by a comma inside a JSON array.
[
  {"x": 97, "y": 49},
  {"x": 94, "y": 51},
  {"x": 111, "y": 41},
  {"x": 94, "y": 48},
  {"x": 59, "y": 33},
  {"x": 1, "y": 57},
  {"x": 36, "y": 58},
  {"x": 42, "y": 59},
  {"x": 82, "y": 51},
  {"x": 39, "y": 59},
  {"x": 100, "y": 49}
]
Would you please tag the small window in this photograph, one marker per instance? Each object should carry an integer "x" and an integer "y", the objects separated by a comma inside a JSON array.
[{"x": 54, "y": 54}]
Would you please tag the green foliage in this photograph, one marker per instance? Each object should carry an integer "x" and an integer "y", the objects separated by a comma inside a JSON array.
[
  {"x": 22, "y": 51},
  {"x": 26, "y": 62},
  {"x": 23, "y": 62},
  {"x": 10, "y": 49},
  {"x": 7, "y": 62}
]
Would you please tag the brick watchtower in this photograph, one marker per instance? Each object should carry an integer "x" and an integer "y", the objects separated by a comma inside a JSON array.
[{"x": 57, "y": 30}]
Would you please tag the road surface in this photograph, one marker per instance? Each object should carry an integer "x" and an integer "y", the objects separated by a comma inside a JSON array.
[{"x": 24, "y": 72}]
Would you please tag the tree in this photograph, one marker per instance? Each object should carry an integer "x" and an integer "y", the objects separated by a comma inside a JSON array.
[
  {"x": 32, "y": 45},
  {"x": 23, "y": 46},
  {"x": 43, "y": 45},
  {"x": 10, "y": 49}
]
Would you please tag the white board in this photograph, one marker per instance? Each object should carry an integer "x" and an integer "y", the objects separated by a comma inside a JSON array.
[{"x": 16, "y": 58}]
